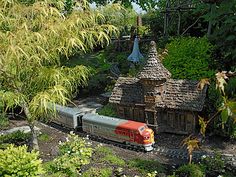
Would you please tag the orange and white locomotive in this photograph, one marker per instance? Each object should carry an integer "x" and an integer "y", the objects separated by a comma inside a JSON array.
[{"x": 120, "y": 130}]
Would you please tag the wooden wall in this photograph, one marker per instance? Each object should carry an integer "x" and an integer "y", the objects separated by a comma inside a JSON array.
[
  {"x": 176, "y": 121},
  {"x": 172, "y": 121},
  {"x": 131, "y": 113}
]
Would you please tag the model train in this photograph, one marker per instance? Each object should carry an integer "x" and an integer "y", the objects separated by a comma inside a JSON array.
[{"x": 115, "y": 129}]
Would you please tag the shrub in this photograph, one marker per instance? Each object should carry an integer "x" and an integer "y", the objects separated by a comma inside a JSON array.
[
  {"x": 189, "y": 58},
  {"x": 4, "y": 122},
  {"x": 74, "y": 153},
  {"x": 147, "y": 166},
  {"x": 16, "y": 161},
  {"x": 190, "y": 170},
  {"x": 98, "y": 172},
  {"x": 107, "y": 110},
  {"x": 17, "y": 138},
  {"x": 213, "y": 165}
]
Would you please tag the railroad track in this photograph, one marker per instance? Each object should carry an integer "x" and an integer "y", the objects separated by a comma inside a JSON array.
[{"x": 181, "y": 154}]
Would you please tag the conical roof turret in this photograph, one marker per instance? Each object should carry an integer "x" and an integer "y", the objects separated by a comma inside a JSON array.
[{"x": 154, "y": 69}]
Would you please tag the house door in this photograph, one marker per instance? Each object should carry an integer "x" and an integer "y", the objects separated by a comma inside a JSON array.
[
  {"x": 149, "y": 117},
  {"x": 171, "y": 120}
]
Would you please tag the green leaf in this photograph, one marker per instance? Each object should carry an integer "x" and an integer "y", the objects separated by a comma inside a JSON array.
[
  {"x": 203, "y": 125},
  {"x": 232, "y": 106},
  {"x": 230, "y": 37},
  {"x": 224, "y": 117}
]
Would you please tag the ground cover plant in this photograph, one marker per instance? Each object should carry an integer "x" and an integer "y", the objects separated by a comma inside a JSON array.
[
  {"x": 73, "y": 154},
  {"x": 17, "y": 161},
  {"x": 17, "y": 138}
]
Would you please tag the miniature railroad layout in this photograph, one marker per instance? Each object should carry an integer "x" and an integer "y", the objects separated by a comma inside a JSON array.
[{"x": 173, "y": 153}]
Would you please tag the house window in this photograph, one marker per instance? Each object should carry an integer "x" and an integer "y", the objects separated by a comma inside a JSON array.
[{"x": 182, "y": 121}]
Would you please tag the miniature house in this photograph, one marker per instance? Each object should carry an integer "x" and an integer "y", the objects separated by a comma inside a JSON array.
[{"x": 166, "y": 104}]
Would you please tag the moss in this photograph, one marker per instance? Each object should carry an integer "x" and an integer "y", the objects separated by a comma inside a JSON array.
[
  {"x": 44, "y": 137},
  {"x": 114, "y": 160},
  {"x": 102, "y": 150},
  {"x": 146, "y": 166},
  {"x": 190, "y": 170},
  {"x": 98, "y": 172},
  {"x": 107, "y": 156}
]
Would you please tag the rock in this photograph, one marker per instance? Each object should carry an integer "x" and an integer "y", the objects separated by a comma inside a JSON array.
[{"x": 25, "y": 129}]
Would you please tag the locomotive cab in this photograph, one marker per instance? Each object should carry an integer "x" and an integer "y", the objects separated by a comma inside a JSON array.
[{"x": 147, "y": 137}]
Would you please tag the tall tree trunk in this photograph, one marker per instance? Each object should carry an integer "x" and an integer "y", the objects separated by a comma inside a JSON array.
[
  {"x": 212, "y": 11},
  {"x": 34, "y": 139}
]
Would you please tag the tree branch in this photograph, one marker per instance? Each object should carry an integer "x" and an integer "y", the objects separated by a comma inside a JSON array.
[{"x": 190, "y": 26}]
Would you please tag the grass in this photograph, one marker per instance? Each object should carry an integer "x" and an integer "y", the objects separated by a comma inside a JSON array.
[
  {"x": 114, "y": 160},
  {"x": 4, "y": 122},
  {"x": 44, "y": 137},
  {"x": 102, "y": 150},
  {"x": 107, "y": 156},
  {"x": 98, "y": 172},
  {"x": 146, "y": 166}
]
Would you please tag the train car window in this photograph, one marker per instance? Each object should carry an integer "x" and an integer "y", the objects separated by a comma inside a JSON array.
[
  {"x": 141, "y": 129},
  {"x": 79, "y": 119}
]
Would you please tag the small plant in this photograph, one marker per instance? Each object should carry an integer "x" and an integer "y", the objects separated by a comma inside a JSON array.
[
  {"x": 17, "y": 138},
  {"x": 152, "y": 174},
  {"x": 4, "y": 122},
  {"x": 103, "y": 150},
  {"x": 190, "y": 170},
  {"x": 119, "y": 172},
  {"x": 227, "y": 107},
  {"x": 113, "y": 159},
  {"x": 213, "y": 165},
  {"x": 106, "y": 155},
  {"x": 147, "y": 166},
  {"x": 44, "y": 137},
  {"x": 107, "y": 110},
  {"x": 74, "y": 153},
  {"x": 16, "y": 161},
  {"x": 98, "y": 172},
  {"x": 191, "y": 143}
]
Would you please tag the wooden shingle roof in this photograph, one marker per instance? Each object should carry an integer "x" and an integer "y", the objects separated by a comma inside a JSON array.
[
  {"x": 179, "y": 94},
  {"x": 154, "y": 69},
  {"x": 183, "y": 95},
  {"x": 127, "y": 91}
]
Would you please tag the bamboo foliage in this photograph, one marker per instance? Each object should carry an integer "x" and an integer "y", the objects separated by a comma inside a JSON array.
[{"x": 34, "y": 35}]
